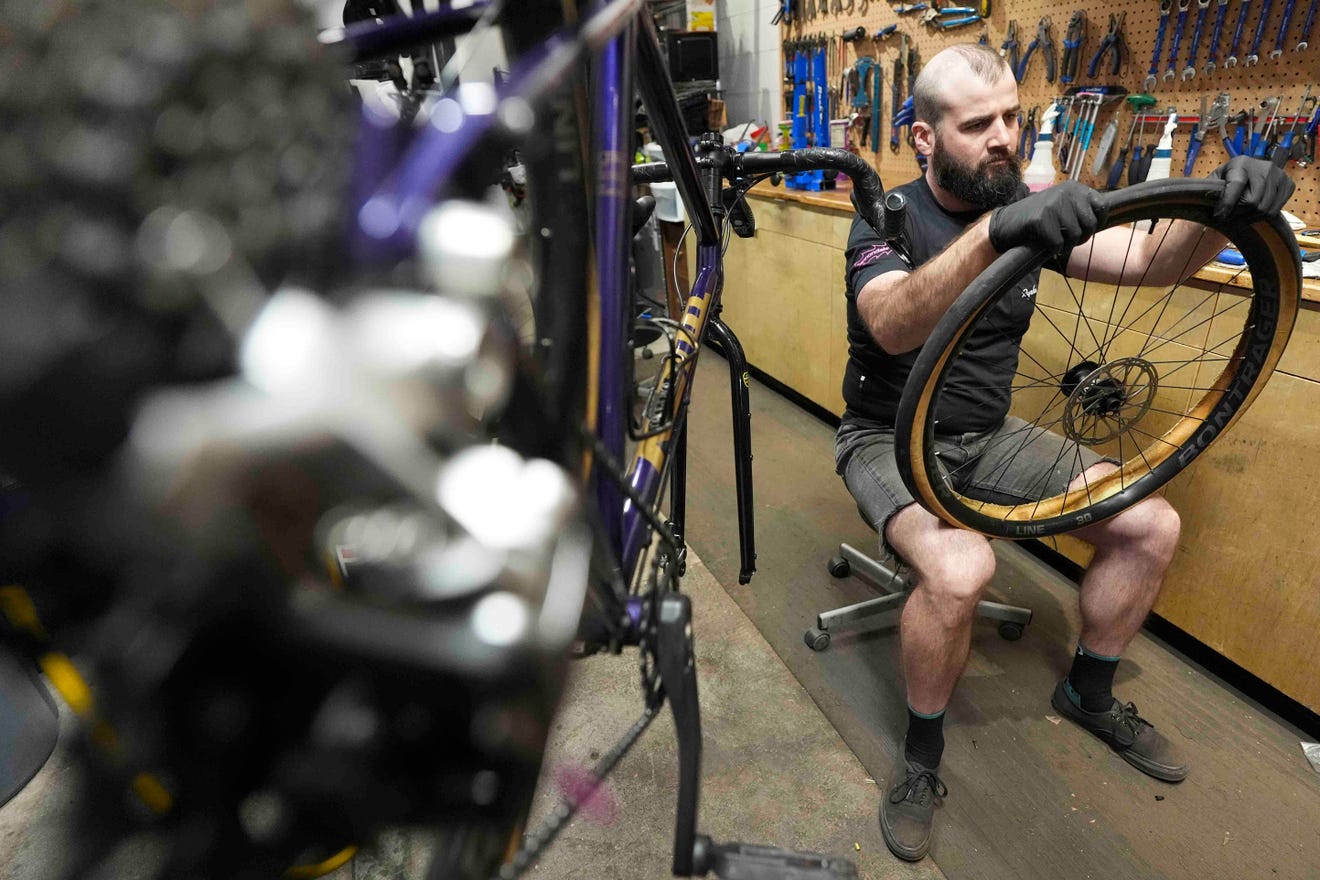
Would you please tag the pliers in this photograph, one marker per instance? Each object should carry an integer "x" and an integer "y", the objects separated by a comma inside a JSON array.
[
  {"x": 1008, "y": 50},
  {"x": 1112, "y": 41},
  {"x": 1027, "y": 140},
  {"x": 1045, "y": 43},
  {"x": 1072, "y": 46}
]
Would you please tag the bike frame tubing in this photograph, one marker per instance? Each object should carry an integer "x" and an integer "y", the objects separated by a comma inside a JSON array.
[
  {"x": 612, "y": 139},
  {"x": 666, "y": 123}
]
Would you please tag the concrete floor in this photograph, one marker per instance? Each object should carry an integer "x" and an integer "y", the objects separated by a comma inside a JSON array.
[{"x": 775, "y": 772}]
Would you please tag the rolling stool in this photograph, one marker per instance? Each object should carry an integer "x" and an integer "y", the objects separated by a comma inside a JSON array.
[{"x": 852, "y": 561}]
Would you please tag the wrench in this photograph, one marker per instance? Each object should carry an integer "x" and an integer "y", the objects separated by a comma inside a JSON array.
[
  {"x": 1177, "y": 39},
  {"x": 1231, "y": 61},
  {"x": 1283, "y": 29},
  {"x": 1153, "y": 76},
  {"x": 1202, "y": 7},
  {"x": 1306, "y": 28},
  {"x": 1253, "y": 57},
  {"x": 1215, "y": 34}
]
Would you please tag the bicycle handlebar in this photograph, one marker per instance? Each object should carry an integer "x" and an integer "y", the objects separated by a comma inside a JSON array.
[{"x": 868, "y": 193}]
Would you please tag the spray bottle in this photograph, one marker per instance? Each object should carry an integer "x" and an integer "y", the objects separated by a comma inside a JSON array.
[
  {"x": 1159, "y": 166},
  {"x": 1039, "y": 174}
]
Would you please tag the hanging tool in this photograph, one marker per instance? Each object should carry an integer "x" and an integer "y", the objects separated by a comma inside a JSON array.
[
  {"x": 1216, "y": 33},
  {"x": 912, "y": 64},
  {"x": 1116, "y": 170},
  {"x": 1072, "y": 46},
  {"x": 1202, "y": 8},
  {"x": 1270, "y": 108},
  {"x": 1045, "y": 43},
  {"x": 1198, "y": 135},
  {"x": 1153, "y": 77},
  {"x": 1287, "y": 147},
  {"x": 1306, "y": 28},
  {"x": 904, "y": 10},
  {"x": 1218, "y": 118},
  {"x": 785, "y": 13},
  {"x": 877, "y": 85},
  {"x": 1008, "y": 50},
  {"x": 896, "y": 95},
  {"x": 863, "y": 6},
  {"x": 1283, "y": 28},
  {"x": 1027, "y": 139},
  {"x": 1106, "y": 145},
  {"x": 1112, "y": 42},
  {"x": 1231, "y": 60},
  {"x": 1178, "y": 29},
  {"x": 864, "y": 97},
  {"x": 1253, "y": 57},
  {"x": 1065, "y": 105},
  {"x": 1312, "y": 127},
  {"x": 885, "y": 32},
  {"x": 857, "y": 33},
  {"x": 1083, "y": 138}
]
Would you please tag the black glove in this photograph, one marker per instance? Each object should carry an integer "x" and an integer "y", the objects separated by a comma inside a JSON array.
[
  {"x": 1060, "y": 217},
  {"x": 1255, "y": 189}
]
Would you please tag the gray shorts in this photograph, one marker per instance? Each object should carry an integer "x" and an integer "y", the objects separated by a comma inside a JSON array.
[{"x": 1013, "y": 463}]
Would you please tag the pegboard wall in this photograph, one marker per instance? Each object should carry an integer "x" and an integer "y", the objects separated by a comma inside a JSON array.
[{"x": 1285, "y": 77}]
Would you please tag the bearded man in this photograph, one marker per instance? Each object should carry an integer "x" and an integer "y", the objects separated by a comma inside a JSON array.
[{"x": 968, "y": 207}]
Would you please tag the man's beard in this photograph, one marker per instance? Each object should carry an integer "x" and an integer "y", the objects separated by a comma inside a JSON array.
[{"x": 993, "y": 182}]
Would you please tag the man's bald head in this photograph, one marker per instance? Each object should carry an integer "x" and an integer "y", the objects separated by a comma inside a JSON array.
[{"x": 929, "y": 98}]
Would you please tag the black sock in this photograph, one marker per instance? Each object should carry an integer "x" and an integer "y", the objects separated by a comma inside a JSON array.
[
  {"x": 1092, "y": 679},
  {"x": 925, "y": 739}
]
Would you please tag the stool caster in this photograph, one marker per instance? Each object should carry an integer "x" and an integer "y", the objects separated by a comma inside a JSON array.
[
  {"x": 817, "y": 639},
  {"x": 838, "y": 567},
  {"x": 1010, "y": 631}
]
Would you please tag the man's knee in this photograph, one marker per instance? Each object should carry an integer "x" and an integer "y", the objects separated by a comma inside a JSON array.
[
  {"x": 1151, "y": 526},
  {"x": 952, "y": 567}
]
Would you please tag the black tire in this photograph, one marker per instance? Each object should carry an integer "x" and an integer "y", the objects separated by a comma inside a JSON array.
[
  {"x": 817, "y": 639},
  {"x": 1010, "y": 631},
  {"x": 1254, "y": 336},
  {"x": 838, "y": 567}
]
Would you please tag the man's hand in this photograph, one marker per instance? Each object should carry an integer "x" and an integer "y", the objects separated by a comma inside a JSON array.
[
  {"x": 1060, "y": 217},
  {"x": 1255, "y": 189}
]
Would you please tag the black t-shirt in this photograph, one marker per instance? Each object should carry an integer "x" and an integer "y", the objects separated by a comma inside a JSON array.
[{"x": 977, "y": 393}]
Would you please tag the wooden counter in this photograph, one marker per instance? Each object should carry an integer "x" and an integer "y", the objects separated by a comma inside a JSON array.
[{"x": 1245, "y": 579}]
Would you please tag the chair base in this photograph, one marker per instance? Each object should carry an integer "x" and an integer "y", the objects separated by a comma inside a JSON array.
[{"x": 851, "y": 561}]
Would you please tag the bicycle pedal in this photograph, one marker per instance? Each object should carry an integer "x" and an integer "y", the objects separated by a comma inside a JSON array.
[{"x": 745, "y": 861}]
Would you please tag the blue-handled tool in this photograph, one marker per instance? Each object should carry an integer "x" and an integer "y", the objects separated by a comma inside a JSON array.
[
  {"x": 1283, "y": 29},
  {"x": 1044, "y": 41},
  {"x": 1202, "y": 7},
  {"x": 1177, "y": 39},
  {"x": 1217, "y": 32},
  {"x": 1253, "y": 57},
  {"x": 1008, "y": 50},
  {"x": 1112, "y": 42},
  {"x": 1306, "y": 28},
  {"x": 1231, "y": 60},
  {"x": 1270, "y": 108},
  {"x": 1153, "y": 76},
  {"x": 1072, "y": 46},
  {"x": 1283, "y": 150}
]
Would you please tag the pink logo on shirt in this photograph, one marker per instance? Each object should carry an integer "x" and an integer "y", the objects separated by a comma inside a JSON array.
[{"x": 871, "y": 255}]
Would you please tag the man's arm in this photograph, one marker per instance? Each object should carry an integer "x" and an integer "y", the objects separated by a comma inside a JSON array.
[
  {"x": 1176, "y": 249},
  {"x": 1133, "y": 254},
  {"x": 901, "y": 308}
]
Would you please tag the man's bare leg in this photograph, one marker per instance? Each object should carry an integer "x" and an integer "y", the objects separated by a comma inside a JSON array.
[{"x": 952, "y": 568}]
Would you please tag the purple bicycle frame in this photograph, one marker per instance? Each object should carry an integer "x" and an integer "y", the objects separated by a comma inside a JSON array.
[{"x": 392, "y": 193}]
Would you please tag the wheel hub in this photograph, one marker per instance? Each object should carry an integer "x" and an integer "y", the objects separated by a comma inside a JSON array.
[{"x": 1106, "y": 400}]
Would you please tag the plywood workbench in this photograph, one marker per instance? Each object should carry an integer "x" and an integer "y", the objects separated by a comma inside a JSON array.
[{"x": 1245, "y": 580}]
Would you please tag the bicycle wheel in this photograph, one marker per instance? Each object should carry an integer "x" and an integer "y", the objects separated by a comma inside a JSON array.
[{"x": 1143, "y": 377}]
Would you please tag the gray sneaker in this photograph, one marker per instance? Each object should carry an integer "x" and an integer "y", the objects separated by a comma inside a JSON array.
[
  {"x": 1134, "y": 738},
  {"x": 907, "y": 811}
]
